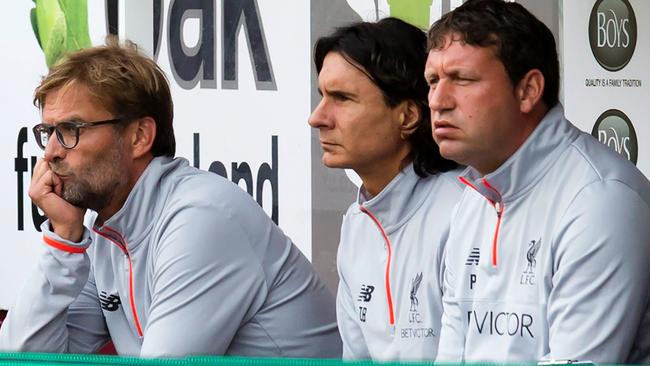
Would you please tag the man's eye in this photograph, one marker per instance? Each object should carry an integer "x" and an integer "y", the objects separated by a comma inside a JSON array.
[
  {"x": 66, "y": 128},
  {"x": 340, "y": 97},
  {"x": 45, "y": 137},
  {"x": 44, "y": 129},
  {"x": 464, "y": 80}
]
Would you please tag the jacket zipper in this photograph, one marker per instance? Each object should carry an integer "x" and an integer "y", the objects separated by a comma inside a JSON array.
[
  {"x": 499, "y": 207},
  {"x": 121, "y": 243},
  {"x": 389, "y": 296}
]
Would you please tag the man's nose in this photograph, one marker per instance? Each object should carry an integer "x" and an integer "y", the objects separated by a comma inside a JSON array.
[
  {"x": 321, "y": 117},
  {"x": 53, "y": 150},
  {"x": 441, "y": 97}
]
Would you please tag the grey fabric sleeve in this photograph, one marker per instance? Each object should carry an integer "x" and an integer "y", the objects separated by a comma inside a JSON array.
[
  {"x": 601, "y": 274},
  {"x": 354, "y": 344},
  {"x": 39, "y": 320},
  {"x": 452, "y": 333},
  {"x": 207, "y": 281},
  {"x": 87, "y": 330},
  {"x": 451, "y": 346}
]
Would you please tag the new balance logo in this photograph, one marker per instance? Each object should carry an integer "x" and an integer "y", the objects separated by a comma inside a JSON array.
[
  {"x": 365, "y": 294},
  {"x": 109, "y": 302},
  {"x": 473, "y": 257}
]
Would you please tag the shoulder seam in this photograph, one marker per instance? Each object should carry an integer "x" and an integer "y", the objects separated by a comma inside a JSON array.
[{"x": 587, "y": 159}]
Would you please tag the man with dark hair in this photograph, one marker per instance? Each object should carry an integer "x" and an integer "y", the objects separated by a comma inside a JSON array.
[
  {"x": 174, "y": 261},
  {"x": 547, "y": 256},
  {"x": 373, "y": 119}
]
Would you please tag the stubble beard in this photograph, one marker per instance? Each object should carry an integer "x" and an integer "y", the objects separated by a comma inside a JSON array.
[{"x": 94, "y": 185}]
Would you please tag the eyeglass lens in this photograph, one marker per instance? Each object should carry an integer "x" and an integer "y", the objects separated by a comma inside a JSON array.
[{"x": 66, "y": 133}]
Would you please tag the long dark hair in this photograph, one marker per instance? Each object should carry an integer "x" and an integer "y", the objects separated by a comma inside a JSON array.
[{"x": 392, "y": 53}]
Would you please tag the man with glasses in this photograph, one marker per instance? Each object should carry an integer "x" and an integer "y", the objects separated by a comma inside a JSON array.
[{"x": 173, "y": 260}]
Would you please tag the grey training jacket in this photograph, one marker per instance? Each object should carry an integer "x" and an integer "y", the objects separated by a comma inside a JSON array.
[
  {"x": 397, "y": 235},
  {"x": 189, "y": 265},
  {"x": 548, "y": 256}
]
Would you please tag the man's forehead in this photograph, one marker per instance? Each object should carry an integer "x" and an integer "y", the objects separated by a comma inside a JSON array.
[
  {"x": 456, "y": 50},
  {"x": 70, "y": 101},
  {"x": 69, "y": 92},
  {"x": 443, "y": 41},
  {"x": 72, "y": 92},
  {"x": 341, "y": 70}
]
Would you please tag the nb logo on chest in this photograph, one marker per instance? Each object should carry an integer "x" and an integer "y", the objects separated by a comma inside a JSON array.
[{"x": 109, "y": 302}]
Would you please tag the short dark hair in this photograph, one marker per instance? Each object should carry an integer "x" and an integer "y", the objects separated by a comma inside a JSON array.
[
  {"x": 392, "y": 53},
  {"x": 522, "y": 42},
  {"x": 128, "y": 83}
]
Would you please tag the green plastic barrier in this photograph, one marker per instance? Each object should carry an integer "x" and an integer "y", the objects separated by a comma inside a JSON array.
[
  {"x": 7, "y": 359},
  {"x": 73, "y": 359}
]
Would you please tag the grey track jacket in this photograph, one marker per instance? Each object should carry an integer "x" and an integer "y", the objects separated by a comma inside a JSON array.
[
  {"x": 390, "y": 267},
  {"x": 189, "y": 265},
  {"x": 549, "y": 256}
]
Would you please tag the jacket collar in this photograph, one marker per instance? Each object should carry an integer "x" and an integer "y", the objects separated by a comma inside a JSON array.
[
  {"x": 397, "y": 202},
  {"x": 527, "y": 165},
  {"x": 134, "y": 220}
]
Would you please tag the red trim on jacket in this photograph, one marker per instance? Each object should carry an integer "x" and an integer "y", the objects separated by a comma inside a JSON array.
[
  {"x": 465, "y": 181},
  {"x": 389, "y": 296},
  {"x": 62, "y": 246},
  {"x": 499, "y": 208},
  {"x": 124, "y": 249}
]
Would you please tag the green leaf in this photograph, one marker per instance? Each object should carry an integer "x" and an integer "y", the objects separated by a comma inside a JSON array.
[
  {"x": 76, "y": 19},
  {"x": 32, "y": 18},
  {"x": 60, "y": 26},
  {"x": 415, "y": 12},
  {"x": 55, "y": 47},
  {"x": 47, "y": 13}
]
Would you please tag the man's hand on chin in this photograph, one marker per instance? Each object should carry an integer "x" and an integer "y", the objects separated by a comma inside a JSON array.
[{"x": 45, "y": 190}]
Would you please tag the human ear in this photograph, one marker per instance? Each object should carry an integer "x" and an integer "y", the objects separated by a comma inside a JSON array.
[
  {"x": 530, "y": 90},
  {"x": 143, "y": 136},
  {"x": 409, "y": 119}
]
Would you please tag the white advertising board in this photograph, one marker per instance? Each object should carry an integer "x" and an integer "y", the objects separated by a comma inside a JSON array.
[
  {"x": 606, "y": 74},
  {"x": 240, "y": 75}
]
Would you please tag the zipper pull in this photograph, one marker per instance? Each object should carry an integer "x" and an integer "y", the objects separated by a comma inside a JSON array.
[{"x": 499, "y": 208}]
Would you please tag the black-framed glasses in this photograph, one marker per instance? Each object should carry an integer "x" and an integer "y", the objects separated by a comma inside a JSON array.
[{"x": 67, "y": 132}]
